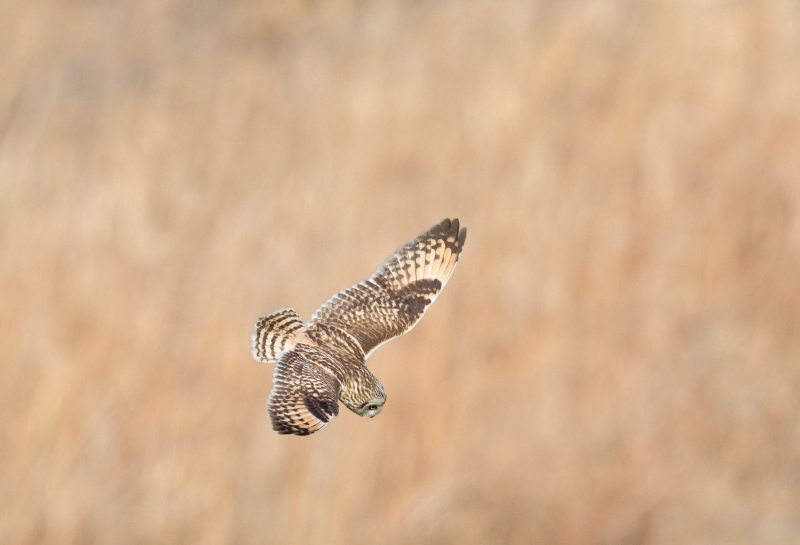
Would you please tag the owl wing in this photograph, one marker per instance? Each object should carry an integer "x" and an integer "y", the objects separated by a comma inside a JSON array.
[
  {"x": 304, "y": 396},
  {"x": 392, "y": 301}
]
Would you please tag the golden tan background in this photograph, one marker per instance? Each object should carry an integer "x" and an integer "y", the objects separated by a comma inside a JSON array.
[{"x": 615, "y": 361}]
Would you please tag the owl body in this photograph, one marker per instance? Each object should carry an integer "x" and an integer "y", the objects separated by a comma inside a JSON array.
[{"x": 323, "y": 362}]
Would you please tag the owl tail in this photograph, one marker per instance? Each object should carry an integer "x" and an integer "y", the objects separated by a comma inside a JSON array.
[{"x": 275, "y": 334}]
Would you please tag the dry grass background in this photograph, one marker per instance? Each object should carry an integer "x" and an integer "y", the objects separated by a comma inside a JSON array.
[{"x": 616, "y": 360}]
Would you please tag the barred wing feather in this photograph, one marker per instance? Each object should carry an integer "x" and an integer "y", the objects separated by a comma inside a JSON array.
[
  {"x": 304, "y": 396},
  {"x": 393, "y": 300}
]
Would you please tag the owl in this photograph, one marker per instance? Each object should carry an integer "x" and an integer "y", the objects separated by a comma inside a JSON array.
[{"x": 322, "y": 362}]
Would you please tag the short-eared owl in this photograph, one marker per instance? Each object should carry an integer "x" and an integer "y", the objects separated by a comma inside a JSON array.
[{"x": 323, "y": 362}]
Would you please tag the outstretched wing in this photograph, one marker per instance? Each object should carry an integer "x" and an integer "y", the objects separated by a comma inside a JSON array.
[
  {"x": 304, "y": 396},
  {"x": 395, "y": 297}
]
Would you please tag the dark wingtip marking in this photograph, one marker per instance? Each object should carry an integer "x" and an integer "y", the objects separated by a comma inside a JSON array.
[
  {"x": 462, "y": 236},
  {"x": 290, "y": 430},
  {"x": 318, "y": 412}
]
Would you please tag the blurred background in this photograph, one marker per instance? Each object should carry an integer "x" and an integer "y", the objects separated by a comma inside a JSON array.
[{"x": 615, "y": 361}]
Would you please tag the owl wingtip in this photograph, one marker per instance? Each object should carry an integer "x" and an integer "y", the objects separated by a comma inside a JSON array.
[{"x": 453, "y": 226}]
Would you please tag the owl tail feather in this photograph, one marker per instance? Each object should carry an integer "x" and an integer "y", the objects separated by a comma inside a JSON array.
[{"x": 275, "y": 334}]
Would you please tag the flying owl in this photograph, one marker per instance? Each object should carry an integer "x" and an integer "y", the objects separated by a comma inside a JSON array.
[{"x": 322, "y": 362}]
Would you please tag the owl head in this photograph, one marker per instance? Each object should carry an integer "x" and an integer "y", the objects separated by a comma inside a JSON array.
[{"x": 364, "y": 395}]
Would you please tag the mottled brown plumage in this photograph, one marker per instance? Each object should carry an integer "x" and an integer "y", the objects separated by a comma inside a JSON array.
[{"x": 324, "y": 361}]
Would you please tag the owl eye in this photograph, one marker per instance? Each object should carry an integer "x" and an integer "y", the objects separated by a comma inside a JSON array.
[{"x": 373, "y": 407}]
